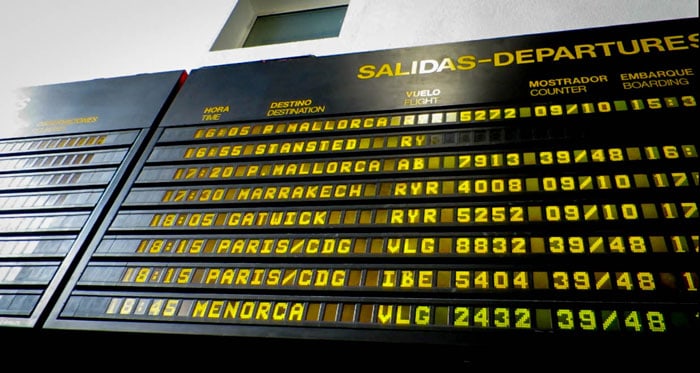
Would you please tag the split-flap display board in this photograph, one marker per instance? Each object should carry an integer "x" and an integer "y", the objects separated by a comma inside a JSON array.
[{"x": 458, "y": 193}]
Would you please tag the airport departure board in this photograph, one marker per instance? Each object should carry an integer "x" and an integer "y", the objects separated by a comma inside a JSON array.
[
  {"x": 62, "y": 157},
  {"x": 467, "y": 193}
]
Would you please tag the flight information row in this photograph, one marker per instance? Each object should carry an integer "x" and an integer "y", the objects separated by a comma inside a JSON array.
[
  {"x": 483, "y": 244},
  {"x": 366, "y": 277},
  {"x": 459, "y": 161},
  {"x": 409, "y": 188},
  {"x": 389, "y": 314},
  {"x": 345, "y": 145},
  {"x": 452, "y": 215}
]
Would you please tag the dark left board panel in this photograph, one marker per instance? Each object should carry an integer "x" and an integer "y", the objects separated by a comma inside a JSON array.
[{"x": 65, "y": 149}]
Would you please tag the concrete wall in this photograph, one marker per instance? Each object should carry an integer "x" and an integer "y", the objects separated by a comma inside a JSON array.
[{"x": 53, "y": 41}]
